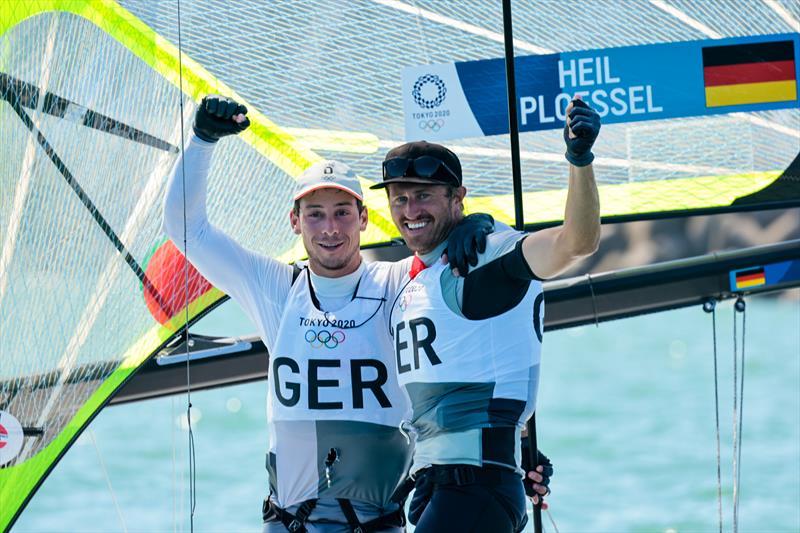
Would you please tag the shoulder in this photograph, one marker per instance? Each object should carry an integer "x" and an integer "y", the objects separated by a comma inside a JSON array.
[
  {"x": 275, "y": 276},
  {"x": 390, "y": 268},
  {"x": 392, "y": 274},
  {"x": 499, "y": 243}
]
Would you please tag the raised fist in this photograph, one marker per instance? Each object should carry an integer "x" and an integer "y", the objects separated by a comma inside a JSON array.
[
  {"x": 219, "y": 116},
  {"x": 580, "y": 132}
]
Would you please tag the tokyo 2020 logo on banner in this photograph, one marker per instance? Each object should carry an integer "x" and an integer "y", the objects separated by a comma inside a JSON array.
[
  {"x": 11, "y": 437},
  {"x": 425, "y": 87},
  {"x": 429, "y": 92},
  {"x": 323, "y": 337},
  {"x": 434, "y": 105}
]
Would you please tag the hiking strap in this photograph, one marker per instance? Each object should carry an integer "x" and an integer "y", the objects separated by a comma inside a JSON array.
[{"x": 393, "y": 519}]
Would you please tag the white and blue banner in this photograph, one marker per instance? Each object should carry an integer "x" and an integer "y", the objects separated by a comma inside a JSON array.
[{"x": 628, "y": 84}]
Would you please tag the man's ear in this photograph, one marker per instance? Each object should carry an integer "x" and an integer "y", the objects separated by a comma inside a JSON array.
[
  {"x": 364, "y": 218},
  {"x": 294, "y": 220},
  {"x": 458, "y": 198}
]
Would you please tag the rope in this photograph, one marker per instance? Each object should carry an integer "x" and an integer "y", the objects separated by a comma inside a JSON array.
[
  {"x": 174, "y": 469},
  {"x": 192, "y": 461},
  {"x": 738, "y": 404},
  {"x": 738, "y": 409},
  {"x": 594, "y": 301},
  {"x": 710, "y": 306},
  {"x": 550, "y": 516}
]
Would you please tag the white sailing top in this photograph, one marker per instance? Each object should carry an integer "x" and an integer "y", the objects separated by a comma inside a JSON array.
[
  {"x": 332, "y": 382},
  {"x": 472, "y": 383}
]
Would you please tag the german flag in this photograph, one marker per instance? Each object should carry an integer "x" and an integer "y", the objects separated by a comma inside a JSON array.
[
  {"x": 749, "y": 73},
  {"x": 752, "y": 277}
]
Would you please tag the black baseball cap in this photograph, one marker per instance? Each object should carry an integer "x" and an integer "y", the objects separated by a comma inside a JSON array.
[{"x": 421, "y": 162}]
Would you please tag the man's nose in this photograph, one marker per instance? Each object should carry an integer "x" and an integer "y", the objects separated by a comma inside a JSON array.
[
  {"x": 413, "y": 208},
  {"x": 329, "y": 226}
]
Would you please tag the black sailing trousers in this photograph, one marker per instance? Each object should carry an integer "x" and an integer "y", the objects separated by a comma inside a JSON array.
[{"x": 468, "y": 499}]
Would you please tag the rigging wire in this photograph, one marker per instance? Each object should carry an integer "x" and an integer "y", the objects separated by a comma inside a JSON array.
[
  {"x": 108, "y": 479},
  {"x": 738, "y": 408},
  {"x": 174, "y": 463},
  {"x": 192, "y": 462},
  {"x": 710, "y": 306},
  {"x": 550, "y": 516}
]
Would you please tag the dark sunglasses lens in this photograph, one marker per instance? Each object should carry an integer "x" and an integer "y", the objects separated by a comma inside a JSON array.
[
  {"x": 426, "y": 166},
  {"x": 395, "y": 168}
]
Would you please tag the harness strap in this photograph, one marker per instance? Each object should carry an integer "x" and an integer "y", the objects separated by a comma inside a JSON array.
[
  {"x": 402, "y": 491},
  {"x": 294, "y": 523},
  {"x": 394, "y": 519},
  {"x": 460, "y": 475},
  {"x": 296, "y": 271}
]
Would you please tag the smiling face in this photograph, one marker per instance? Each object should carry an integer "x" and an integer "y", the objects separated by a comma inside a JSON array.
[
  {"x": 425, "y": 214},
  {"x": 331, "y": 226}
]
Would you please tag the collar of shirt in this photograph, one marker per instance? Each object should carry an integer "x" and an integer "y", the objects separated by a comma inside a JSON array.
[
  {"x": 434, "y": 255},
  {"x": 342, "y": 287}
]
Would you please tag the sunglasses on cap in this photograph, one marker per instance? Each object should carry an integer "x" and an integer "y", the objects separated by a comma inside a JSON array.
[{"x": 425, "y": 166}]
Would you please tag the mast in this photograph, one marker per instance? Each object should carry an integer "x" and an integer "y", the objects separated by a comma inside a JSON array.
[{"x": 519, "y": 217}]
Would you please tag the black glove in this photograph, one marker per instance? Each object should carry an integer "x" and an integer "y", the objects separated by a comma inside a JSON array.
[
  {"x": 213, "y": 119},
  {"x": 585, "y": 123},
  {"x": 527, "y": 467},
  {"x": 467, "y": 240}
]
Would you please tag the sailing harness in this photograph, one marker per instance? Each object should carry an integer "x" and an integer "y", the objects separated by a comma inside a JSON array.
[
  {"x": 296, "y": 523},
  {"x": 437, "y": 475}
]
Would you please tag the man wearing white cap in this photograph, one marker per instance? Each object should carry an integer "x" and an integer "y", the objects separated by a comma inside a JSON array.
[{"x": 334, "y": 406}]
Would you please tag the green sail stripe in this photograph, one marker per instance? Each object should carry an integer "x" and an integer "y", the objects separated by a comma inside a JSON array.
[
  {"x": 19, "y": 482},
  {"x": 270, "y": 140}
]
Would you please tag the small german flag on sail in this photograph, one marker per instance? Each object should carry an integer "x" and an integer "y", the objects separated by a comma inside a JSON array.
[
  {"x": 749, "y": 73},
  {"x": 752, "y": 277}
]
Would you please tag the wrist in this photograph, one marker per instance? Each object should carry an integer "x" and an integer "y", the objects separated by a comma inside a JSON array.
[
  {"x": 204, "y": 136},
  {"x": 580, "y": 160}
]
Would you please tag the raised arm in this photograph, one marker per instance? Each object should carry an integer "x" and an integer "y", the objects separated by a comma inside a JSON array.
[
  {"x": 215, "y": 118},
  {"x": 227, "y": 265},
  {"x": 551, "y": 251}
]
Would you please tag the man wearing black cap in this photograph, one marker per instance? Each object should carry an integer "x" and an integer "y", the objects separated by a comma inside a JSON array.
[{"x": 468, "y": 348}]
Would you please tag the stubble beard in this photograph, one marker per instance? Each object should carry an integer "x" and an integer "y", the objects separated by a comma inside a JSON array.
[
  {"x": 437, "y": 236},
  {"x": 332, "y": 263}
]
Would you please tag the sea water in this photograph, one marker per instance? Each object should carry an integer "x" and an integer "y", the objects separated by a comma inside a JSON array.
[{"x": 626, "y": 412}]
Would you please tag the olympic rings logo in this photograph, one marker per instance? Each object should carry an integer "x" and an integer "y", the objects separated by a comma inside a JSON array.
[
  {"x": 433, "y": 125},
  {"x": 404, "y": 301},
  {"x": 323, "y": 337},
  {"x": 419, "y": 85}
]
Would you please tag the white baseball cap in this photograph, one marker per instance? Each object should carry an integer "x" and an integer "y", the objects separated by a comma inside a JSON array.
[{"x": 328, "y": 174}]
